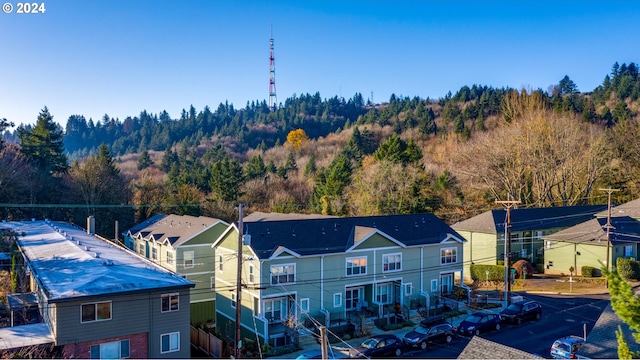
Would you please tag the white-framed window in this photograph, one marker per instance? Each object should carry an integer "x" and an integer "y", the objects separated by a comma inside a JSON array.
[
  {"x": 391, "y": 262},
  {"x": 213, "y": 282},
  {"x": 448, "y": 256},
  {"x": 252, "y": 275},
  {"x": 141, "y": 249},
  {"x": 170, "y": 302},
  {"x": 337, "y": 300},
  {"x": 111, "y": 350},
  {"x": 188, "y": 259},
  {"x": 170, "y": 260},
  {"x": 283, "y": 274},
  {"x": 220, "y": 263},
  {"x": 169, "y": 342},
  {"x": 408, "y": 289},
  {"x": 97, "y": 311},
  {"x": 154, "y": 253},
  {"x": 549, "y": 244},
  {"x": 304, "y": 305},
  {"x": 383, "y": 294},
  {"x": 434, "y": 285},
  {"x": 272, "y": 309},
  {"x": 356, "y": 266},
  {"x": 628, "y": 250},
  {"x": 515, "y": 238},
  {"x": 233, "y": 300}
]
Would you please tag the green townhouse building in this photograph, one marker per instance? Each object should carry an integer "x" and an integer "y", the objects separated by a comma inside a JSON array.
[
  {"x": 330, "y": 269},
  {"x": 485, "y": 233},
  {"x": 596, "y": 242},
  {"x": 182, "y": 244}
]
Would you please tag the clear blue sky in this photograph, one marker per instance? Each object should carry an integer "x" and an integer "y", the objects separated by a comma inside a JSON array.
[{"x": 119, "y": 57}]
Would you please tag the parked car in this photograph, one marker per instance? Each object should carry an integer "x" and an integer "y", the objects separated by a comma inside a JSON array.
[
  {"x": 566, "y": 347},
  {"x": 378, "y": 346},
  {"x": 421, "y": 336},
  {"x": 479, "y": 322},
  {"x": 520, "y": 311}
]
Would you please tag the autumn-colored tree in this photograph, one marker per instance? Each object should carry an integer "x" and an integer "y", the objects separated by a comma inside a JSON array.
[{"x": 297, "y": 138}]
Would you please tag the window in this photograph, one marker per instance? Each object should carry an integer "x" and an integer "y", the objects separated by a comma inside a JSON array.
[
  {"x": 434, "y": 285},
  {"x": 304, "y": 305},
  {"x": 408, "y": 289},
  {"x": 515, "y": 238},
  {"x": 96, "y": 311},
  {"x": 141, "y": 249},
  {"x": 337, "y": 300},
  {"x": 154, "y": 253},
  {"x": 391, "y": 262},
  {"x": 169, "y": 257},
  {"x": 628, "y": 250},
  {"x": 220, "y": 263},
  {"x": 111, "y": 350},
  {"x": 233, "y": 300},
  {"x": 448, "y": 256},
  {"x": 356, "y": 266},
  {"x": 170, "y": 302},
  {"x": 188, "y": 259},
  {"x": 272, "y": 309},
  {"x": 213, "y": 282},
  {"x": 383, "y": 294},
  {"x": 170, "y": 342},
  {"x": 283, "y": 274},
  {"x": 549, "y": 244},
  {"x": 252, "y": 276}
]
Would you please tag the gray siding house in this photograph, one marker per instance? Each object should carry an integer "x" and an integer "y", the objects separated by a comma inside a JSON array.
[
  {"x": 331, "y": 270},
  {"x": 98, "y": 300},
  {"x": 485, "y": 233}
]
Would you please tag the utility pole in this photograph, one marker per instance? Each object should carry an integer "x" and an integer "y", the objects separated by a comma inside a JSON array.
[
  {"x": 507, "y": 247},
  {"x": 323, "y": 342},
  {"x": 608, "y": 225},
  {"x": 238, "y": 342}
]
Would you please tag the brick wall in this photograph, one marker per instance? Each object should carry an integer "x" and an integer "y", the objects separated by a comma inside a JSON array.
[{"x": 138, "y": 347}]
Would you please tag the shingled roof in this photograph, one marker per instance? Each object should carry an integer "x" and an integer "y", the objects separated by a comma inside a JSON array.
[
  {"x": 492, "y": 221},
  {"x": 336, "y": 235},
  {"x": 593, "y": 232},
  {"x": 479, "y": 348},
  {"x": 174, "y": 229},
  {"x": 631, "y": 209}
]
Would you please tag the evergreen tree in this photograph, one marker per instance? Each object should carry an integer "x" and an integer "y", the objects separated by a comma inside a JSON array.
[
  {"x": 310, "y": 168},
  {"x": 271, "y": 167},
  {"x": 291, "y": 164},
  {"x": 144, "y": 160},
  {"x": 3, "y": 125},
  {"x": 168, "y": 160},
  {"x": 42, "y": 145},
  {"x": 255, "y": 167},
  {"x": 391, "y": 150},
  {"x": 626, "y": 304},
  {"x": 226, "y": 178}
]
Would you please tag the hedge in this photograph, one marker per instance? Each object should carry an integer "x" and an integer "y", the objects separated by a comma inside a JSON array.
[
  {"x": 479, "y": 272},
  {"x": 627, "y": 268},
  {"x": 588, "y": 271}
]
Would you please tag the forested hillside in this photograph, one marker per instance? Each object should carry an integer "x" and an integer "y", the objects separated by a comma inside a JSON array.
[{"x": 453, "y": 156}]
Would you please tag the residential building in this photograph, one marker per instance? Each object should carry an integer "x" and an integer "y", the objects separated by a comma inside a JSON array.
[
  {"x": 98, "y": 300},
  {"x": 182, "y": 244},
  {"x": 331, "y": 270},
  {"x": 595, "y": 242},
  {"x": 485, "y": 233}
]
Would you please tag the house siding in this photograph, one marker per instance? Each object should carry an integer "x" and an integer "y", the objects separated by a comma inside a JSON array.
[
  {"x": 138, "y": 347},
  {"x": 563, "y": 255},
  {"x": 132, "y": 314}
]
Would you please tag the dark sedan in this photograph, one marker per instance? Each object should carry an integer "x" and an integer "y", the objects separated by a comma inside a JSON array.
[
  {"x": 421, "y": 336},
  {"x": 520, "y": 311},
  {"x": 378, "y": 346},
  {"x": 479, "y": 322}
]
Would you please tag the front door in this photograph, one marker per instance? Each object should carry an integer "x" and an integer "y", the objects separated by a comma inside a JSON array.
[
  {"x": 446, "y": 283},
  {"x": 354, "y": 298}
]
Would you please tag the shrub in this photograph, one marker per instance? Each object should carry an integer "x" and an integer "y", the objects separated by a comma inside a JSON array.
[
  {"x": 588, "y": 271},
  {"x": 627, "y": 268},
  {"x": 478, "y": 272}
]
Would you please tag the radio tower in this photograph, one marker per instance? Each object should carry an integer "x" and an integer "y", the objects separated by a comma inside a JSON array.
[{"x": 273, "y": 100}]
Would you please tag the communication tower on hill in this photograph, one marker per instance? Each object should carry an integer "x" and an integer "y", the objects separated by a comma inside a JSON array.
[{"x": 273, "y": 100}]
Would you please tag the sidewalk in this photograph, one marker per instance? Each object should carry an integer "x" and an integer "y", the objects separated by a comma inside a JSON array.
[{"x": 341, "y": 350}]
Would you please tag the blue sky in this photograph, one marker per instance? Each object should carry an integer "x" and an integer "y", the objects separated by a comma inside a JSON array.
[{"x": 118, "y": 57}]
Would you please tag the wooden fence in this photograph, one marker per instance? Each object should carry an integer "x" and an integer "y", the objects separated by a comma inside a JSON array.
[{"x": 206, "y": 342}]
